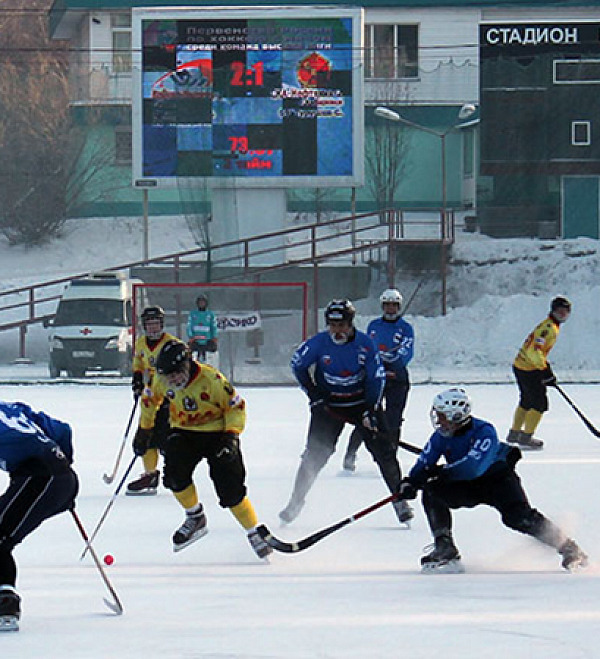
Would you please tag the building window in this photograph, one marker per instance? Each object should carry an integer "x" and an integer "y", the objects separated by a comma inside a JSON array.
[
  {"x": 121, "y": 42},
  {"x": 123, "y": 145},
  {"x": 391, "y": 51},
  {"x": 577, "y": 72},
  {"x": 581, "y": 133}
]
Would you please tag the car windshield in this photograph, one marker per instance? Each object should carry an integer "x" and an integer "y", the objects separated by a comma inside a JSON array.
[{"x": 90, "y": 312}]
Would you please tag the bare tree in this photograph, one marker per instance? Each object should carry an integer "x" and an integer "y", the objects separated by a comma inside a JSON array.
[
  {"x": 48, "y": 162},
  {"x": 385, "y": 160}
]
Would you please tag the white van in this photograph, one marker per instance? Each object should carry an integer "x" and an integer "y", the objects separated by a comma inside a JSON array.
[{"x": 92, "y": 327}]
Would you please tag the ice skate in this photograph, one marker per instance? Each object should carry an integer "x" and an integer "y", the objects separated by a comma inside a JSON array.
[
  {"x": 573, "y": 557},
  {"x": 291, "y": 511},
  {"x": 444, "y": 559},
  {"x": 404, "y": 512},
  {"x": 145, "y": 485},
  {"x": 191, "y": 530},
  {"x": 10, "y": 609},
  {"x": 525, "y": 441},
  {"x": 349, "y": 464},
  {"x": 261, "y": 548}
]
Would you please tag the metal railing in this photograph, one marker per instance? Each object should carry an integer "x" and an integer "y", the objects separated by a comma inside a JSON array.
[{"x": 375, "y": 234}]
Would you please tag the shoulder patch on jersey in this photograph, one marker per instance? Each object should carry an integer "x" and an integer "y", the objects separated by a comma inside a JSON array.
[{"x": 189, "y": 404}]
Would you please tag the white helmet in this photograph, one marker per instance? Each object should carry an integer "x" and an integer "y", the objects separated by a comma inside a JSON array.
[
  {"x": 455, "y": 405},
  {"x": 394, "y": 296}
]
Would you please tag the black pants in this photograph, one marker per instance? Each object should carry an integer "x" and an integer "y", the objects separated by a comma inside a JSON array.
[
  {"x": 184, "y": 450},
  {"x": 326, "y": 425},
  {"x": 532, "y": 391},
  {"x": 28, "y": 501},
  {"x": 501, "y": 489},
  {"x": 395, "y": 396}
]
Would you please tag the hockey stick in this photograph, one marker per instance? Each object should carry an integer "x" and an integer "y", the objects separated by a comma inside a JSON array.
[
  {"x": 115, "y": 606},
  {"x": 109, "y": 478},
  {"x": 108, "y": 507},
  {"x": 409, "y": 447},
  {"x": 293, "y": 547},
  {"x": 587, "y": 422}
]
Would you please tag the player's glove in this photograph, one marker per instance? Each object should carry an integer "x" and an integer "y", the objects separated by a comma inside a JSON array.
[
  {"x": 141, "y": 441},
  {"x": 435, "y": 473},
  {"x": 548, "y": 377},
  {"x": 211, "y": 345},
  {"x": 137, "y": 384},
  {"x": 230, "y": 449},
  {"x": 407, "y": 489},
  {"x": 317, "y": 399},
  {"x": 372, "y": 421}
]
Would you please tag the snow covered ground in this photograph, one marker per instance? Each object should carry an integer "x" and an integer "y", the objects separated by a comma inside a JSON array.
[
  {"x": 498, "y": 290},
  {"x": 358, "y": 593}
]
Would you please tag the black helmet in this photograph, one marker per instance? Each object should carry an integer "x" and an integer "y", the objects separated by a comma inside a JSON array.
[
  {"x": 202, "y": 297},
  {"x": 560, "y": 302},
  {"x": 153, "y": 313},
  {"x": 172, "y": 357},
  {"x": 339, "y": 310}
]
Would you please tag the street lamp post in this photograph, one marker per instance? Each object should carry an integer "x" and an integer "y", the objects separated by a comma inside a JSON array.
[{"x": 465, "y": 112}]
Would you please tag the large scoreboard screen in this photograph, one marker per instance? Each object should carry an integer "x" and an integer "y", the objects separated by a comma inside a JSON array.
[{"x": 251, "y": 97}]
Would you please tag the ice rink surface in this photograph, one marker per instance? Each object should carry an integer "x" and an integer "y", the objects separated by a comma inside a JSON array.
[{"x": 358, "y": 593}]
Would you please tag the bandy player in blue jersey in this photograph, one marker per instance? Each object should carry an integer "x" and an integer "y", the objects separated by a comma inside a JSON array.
[
  {"x": 340, "y": 371},
  {"x": 394, "y": 338},
  {"x": 36, "y": 451}
]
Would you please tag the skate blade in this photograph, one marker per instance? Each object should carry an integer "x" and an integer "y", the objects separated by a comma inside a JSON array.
[
  {"x": 453, "y": 566},
  {"x": 9, "y": 624},
  {"x": 196, "y": 536},
  {"x": 578, "y": 566},
  {"x": 347, "y": 473},
  {"x": 141, "y": 493}
]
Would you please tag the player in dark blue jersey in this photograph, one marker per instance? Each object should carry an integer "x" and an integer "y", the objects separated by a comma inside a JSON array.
[
  {"x": 479, "y": 469},
  {"x": 36, "y": 451},
  {"x": 340, "y": 371},
  {"x": 394, "y": 337}
]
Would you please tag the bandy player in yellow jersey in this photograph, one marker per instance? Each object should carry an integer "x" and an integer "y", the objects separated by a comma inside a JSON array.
[
  {"x": 206, "y": 418},
  {"x": 152, "y": 424},
  {"x": 534, "y": 375}
]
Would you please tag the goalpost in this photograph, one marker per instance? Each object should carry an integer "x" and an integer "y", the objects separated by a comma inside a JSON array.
[{"x": 259, "y": 324}]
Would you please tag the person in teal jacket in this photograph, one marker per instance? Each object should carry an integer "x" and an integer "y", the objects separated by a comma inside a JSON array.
[{"x": 202, "y": 329}]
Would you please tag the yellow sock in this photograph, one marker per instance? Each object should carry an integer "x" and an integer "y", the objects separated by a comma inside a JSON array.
[
  {"x": 150, "y": 460},
  {"x": 532, "y": 420},
  {"x": 188, "y": 498},
  {"x": 519, "y": 418},
  {"x": 244, "y": 513}
]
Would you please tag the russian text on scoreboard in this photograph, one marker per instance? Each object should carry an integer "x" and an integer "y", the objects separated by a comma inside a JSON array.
[{"x": 251, "y": 95}]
